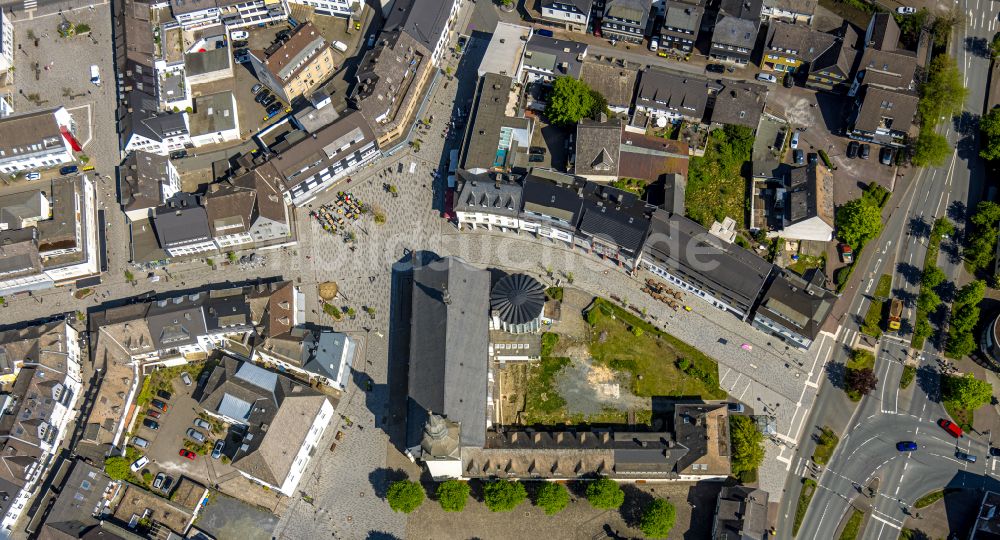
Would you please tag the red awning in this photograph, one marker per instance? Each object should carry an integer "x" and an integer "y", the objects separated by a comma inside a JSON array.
[{"x": 72, "y": 140}]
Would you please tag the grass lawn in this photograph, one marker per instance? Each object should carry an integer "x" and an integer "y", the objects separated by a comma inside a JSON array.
[
  {"x": 872, "y": 325},
  {"x": 906, "y": 379},
  {"x": 807, "y": 262},
  {"x": 853, "y": 526},
  {"x": 542, "y": 397},
  {"x": 960, "y": 415},
  {"x": 653, "y": 355},
  {"x": 884, "y": 287},
  {"x": 716, "y": 187},
  {"x": 824, "y": 448},
  {"x": 933, "y": 497},
  {"x": 805, "y": 497}
]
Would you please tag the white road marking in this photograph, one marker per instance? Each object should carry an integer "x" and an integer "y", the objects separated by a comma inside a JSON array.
[{"x": 893, "y": 525}]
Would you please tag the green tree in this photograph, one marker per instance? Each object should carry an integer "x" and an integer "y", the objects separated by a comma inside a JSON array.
[
  {"x": 571, "y": 99},
  {"x": 930, "y": 148},
  {"x": 971, "y": 294},
  {"x": 452, "y": 494},
  {"x": 982, "y": 240},
  {"x": 990, "y": 126},
  {"x": 923, "y": 328},
  {"x": 405, "y": 496},
  {"x": 968, "y": 392},
  {"x": 932, "y": 277},
  {"x": 605, "y": 494},
  {"x": 995, "y": 46},
  {"x": 747, "y": 444},
  {"x": 942, "y": 95},
  {"x": 552, "y": 498},
  {"x": 117, "y": 468},
  {"x": 658, "y": 519},
  {"x": 959, "y": 344},
  {"x": 858, "y": 221},
  {"x": 504, "y": 495},
  {"x": 911, "y": 25},
  {"x": 860, "y": 381},
  {"x": 928, "y": 300}
]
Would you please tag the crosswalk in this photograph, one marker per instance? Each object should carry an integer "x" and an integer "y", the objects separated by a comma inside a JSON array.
[{"x": 30, "y": 4}]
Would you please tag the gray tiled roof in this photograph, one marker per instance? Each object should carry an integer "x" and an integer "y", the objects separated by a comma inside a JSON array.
[
  {"x": 143, "y": 176},
  {"x": 742, "y": 513},
  {"x": 560, "y": 56},
  {"x": 796, "y": 304},
  {"x": 740, "y": 103},
  {"x": 480, "y": 193},
  {"x": 684, "y": 15},
  {"x": 424, "y": 20},
  {"x": 878, "y": 103},
  {"x": 597, "y": 147},
  {"x": 553, "y": 194},
  {"x": 615, "y": 215},
  {"x": 800, "y": 41},
  {"x": 181, "y": 220},
  {"x": 684, "y": 94}
]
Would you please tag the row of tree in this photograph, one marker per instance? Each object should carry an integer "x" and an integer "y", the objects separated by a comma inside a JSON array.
[
  {"x": 942, "y": 96},
  {"x": 964, "y": 316},
  {"x": 505, "y": 495}
]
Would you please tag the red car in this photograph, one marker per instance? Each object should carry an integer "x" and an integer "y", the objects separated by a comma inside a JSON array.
[
  {"x": 187, "y": 454},
  {"x": 153, "y": 413},
  {"x": 951, "y": 427}
]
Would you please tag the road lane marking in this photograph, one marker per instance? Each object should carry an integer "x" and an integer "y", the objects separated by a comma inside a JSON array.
[{"x": 889, "y": 523}]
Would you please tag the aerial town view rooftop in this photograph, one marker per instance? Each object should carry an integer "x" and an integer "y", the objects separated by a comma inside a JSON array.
[{"x": 499, "y": 269}]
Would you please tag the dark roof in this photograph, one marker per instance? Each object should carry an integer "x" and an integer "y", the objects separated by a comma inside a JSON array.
[
  {"x": 796, "y": 304},
  {"x": 597, "y": 147},
  {"x": 878, "y": 104},
  {"x": 616, "y": 215},
  {"x": 810, "y": 195},
  {"x": 143, "y": 176},
  {"x": 807, "y": 7},
  {"x": 20, "y": 133},
  {"x": 291, "y": 57},
  {"x": 449, "y": 335},
  {"x": 682, "y": 93},
  {"x": 387, "y": 80},
  {"x": 81, "y": 496},
  {"x": 481, "y": 148},
  {"x": 737, "y": 23},
  {"x": 740, "y": 103},
  {"x": 674, "y": 190},
  {"x": 583, "y": 6},
  {"x": 553, "y": 194},
  {"x": 230, "y": 209},
  {"x": 729, "y": 272},
  {"x": 560, "y": 56},
  {"x": 614, "y": 81},
  {"x": 424, "y": 20},
  {"x": 889, "y": 69},
  {"x": 633, "y": 10},
  {"x": 800, "y": 41},
  {"x": 742, "y": 513},
  {"x": 885, "y": 32},
  {"x": 181, "y": 220},
  {"x": 702, "y": 428},
  {"x": 479, "y": 191},
  {"x": 842, "y": 55},
  {"x": 517, "y": 299},
  {"x": 330, "y": 144},
  {"x": 683, "y": 15}
]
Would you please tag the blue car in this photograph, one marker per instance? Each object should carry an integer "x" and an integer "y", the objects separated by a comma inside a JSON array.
[{"x": 906, "y": 446}]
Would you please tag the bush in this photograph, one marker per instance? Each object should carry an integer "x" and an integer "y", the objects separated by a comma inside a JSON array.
[
  {"x": 117, "y": 468},
  {"x": 405, "y": 496},
  {"x": 552, "y": 498},
  {"x": 636, "y": 331},
  {"x": 906, "y": 379},
  {"x": 504, "y": 495},
  {"x": 605, "y": 494},
  {"x": 592, "y": 317},
  {"x": 658, "y": 519},
  {"x": 826, "y": 160},
  {"x": 842, "y": 275},
  {"x": 452, "y": 495},
  {"x": 747, "y": 444},
  {"x": 554, "y": 293},
  {"x": 683, "y": 364}
]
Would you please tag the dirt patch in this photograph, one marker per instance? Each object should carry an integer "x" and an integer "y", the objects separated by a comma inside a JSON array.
[{"x": 593, "y": 390}]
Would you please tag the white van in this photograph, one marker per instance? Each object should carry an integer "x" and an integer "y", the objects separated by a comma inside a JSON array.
[
  {"x": 237, "y": 35},
  {"x": 340, "y": 46},
  {"x": 654, "y": 44},
  {"x": 95, "y": 75}
]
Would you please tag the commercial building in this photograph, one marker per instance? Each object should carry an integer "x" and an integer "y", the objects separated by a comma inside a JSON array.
[
  {"x": 428, "y": 22},
  {"x": 793, "y": 309},
  {"x": 884, "y": 116},
  {"x": 547, "y": 58},
  {"x": 625, "y": 20},
  {"x": 182, "y": 226},
  {"x": 735, "y": 33},
  {"x": 36, "y": 140},
  {"x": 498, "y": 136},
  {"x": 215, "y": 119},
  {"x": 282, "y": 422},
  {"x": 333, "y": 8},
  {"x": 211, "y": 59},
  {"x": 151, "y": 131},
  {"x": 298, "y": 66},
  {"x": 266, "y": 221},
  {"x": 75, "y": 507},
  {"x": 613, "y": 224},
  {"x": 681, "y": 24},
  {"x": 552, "y": 206},
  {"x": 506, "y": 50},
  {"x": 193, "y": 14},
  {"x": 573, "y": 15},
  {"x": 482, "y": 201},
  {"x": 42, "y": 366},
  {"x": 6, "y": 42},
  {"x": 146, "y": 181}
]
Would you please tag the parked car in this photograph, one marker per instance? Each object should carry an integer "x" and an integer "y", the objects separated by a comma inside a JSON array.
[
  {"x": 906, "y": 446},
  {"x": 139, "y": 442},
  {"x": 283, "y": 35},
  {"x": 866, "y": 151},
  {"x": 217, "y": 451},
  {"x": 735, "y": 407},
  {"x": 906, "y": 10},
  {"x": 852, "y": 149},
  {"x": 951, "y": 427},
  {"x": 812, "y": 158},
  {"x": 167, "y": 482},
  {"x": 187, "y": 454},
  {"x": 262, "y": 96},
  {"x": 654, "y": 44},
  {"x": 795, "y": 140},
  {"x": 846, "y": 253},
  {"x": 256, "y": 88},
  {"x": 965, "y": 457},
  {"x": 164, "y": 395},
  {"x": 241, "y": 44},
  {"x": 767, "y": 77},
  {"x": 239, "y": 34},
  {"x": 885, "y": 155},
  {"x": 269, "y": 101},
  {"x": 274, "y": 107},
  {"x": 69, "y": 169},
  {"x": 153, "y": 413},
  {"x": 151, "y": 424},
  {"x": 198, "y": 422},
  {"x": 798, "y": 156},
  {"x": 544, "y": 32},
  {"x": 715, "y": 68},
  {"x": 994, "y": 451},
  {"x": 242, "y": 56},
  {"x": 33, "y": 175},
  {"x": 178, "y": 154},
  {"x": 195, "y": 435},
  {"x": 186, "y": 378},
  {"x": 159, "y": 404},
  {"x": 139, "y": 463},
  {"x": 158, "y": 481},
  {"x": 788, "y": 81},
  {"x": 540, "y": 150}
]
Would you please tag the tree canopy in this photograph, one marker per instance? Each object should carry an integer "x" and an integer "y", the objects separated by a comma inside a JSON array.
[
  {"x": 658, "y": 519},
  {"x": 932, "y": 277},
  {"x": 605, "y": 494},
  {"x": 452, "y": 495},
  {"x": 930, "y": 148},
  {"x": 942, "y": 94},
  {"x": 968, "y": 391},
  {"x": 571, "y": 99},
  {"x": 964, "y": 316},
  {"x": 747, "y": 444},
  {"x": 990, "y": 126},
  {"x": 405, "y": 496},
  {"x": 552, "y": 498},
  {"x": 860, "y": 381},
  {"x": 858, "y": 221},
  {"x": 981, "y": 241},
  {"x": 504, "y": 495},
  {"x": 117, "y": 468}
]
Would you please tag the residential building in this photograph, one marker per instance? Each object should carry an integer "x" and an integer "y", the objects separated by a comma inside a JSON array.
[
  {"x": 551, "y": 205},
  {"x": 484, "y": 201},
  {"x": 625, "y": 20},
  {"x": 333, "y": 8},
  {"x": 209, "y": 60},
  {"x": 428, "y": 22},
  {"x": 613, "y": 224},
  {"x": 650, "y": 158},
  {"x": 192, "y": 14},
  {"x": 741, "y": 513},
  {"x": 231, "y": 211},
  {"x": 735, "y": 34},
  {"x": 573, "y": 15},
  {"x": 390, "y": 80},
  {"x": 36, "y": 140},
  {"x": 146, "y": 181},
  {"x": 283, "y": 421},
  {"x": 498, "y": 136},
  {"x": 506, "y": 50},
  {"x": 271, "y": 223},
  {"x": 687, "y": 256},
  {"x": 215, "y": 119},
  {"x": 791, "y": 48},
  {"x": 883, "y": 116},
  {"x": 832, "y": 70},
  {"x": 547, "y": 58},
  {"x": 48, "y": 234},
  {"x": 681, "y": 24},
  {"x": 703, "y": 429},
  {"x": 42, "y": 367},
  {"x": 6, "y": 42},
  {"x": 298, "y": 67},
  {"x": 793, "y": 309},
  {"x": 672, "y": 96},
  {"x": 166, "y": 517},
  {"x": 151, "y": 131},
  {"x": 598, "y": 153},
  {"x": 182, "y": 226},
  {"x": 77, "y": 505},
  {"x": 740, "y": 103},
  {"x": 615, "y": 80},
  {"x": 318, "y": 162},
  {"x": 804, "y": 205},
  {"x": 794, "y": 11}
]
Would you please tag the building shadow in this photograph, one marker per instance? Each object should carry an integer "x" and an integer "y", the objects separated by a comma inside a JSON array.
[{"x": 383, "y": 477}]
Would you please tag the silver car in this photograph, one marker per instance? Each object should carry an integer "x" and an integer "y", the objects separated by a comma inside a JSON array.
[
  {"x": 198, "y": 422},
  {"x": 195, "y": 435},
  {"x": 217, "y": 451},
  {"x": 139, "y": 442}
]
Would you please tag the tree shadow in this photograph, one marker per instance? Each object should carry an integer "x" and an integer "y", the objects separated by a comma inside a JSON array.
[
  {"x": 929, "y": 381},
  {"x": 908, "y": 298},
  {"x": 919, "y": 227},
  {"x": 909, "y": 272},
  {"x": 957, "y": 211},
  {"x": 946, "y": 290},
  {"x": 383, "y": 477},
  {"x": 380, "y": 535},
  {"x": 636, "y": 500},
  {"x": 836, "y": 373},
  {"x": 905, "y": 327}
]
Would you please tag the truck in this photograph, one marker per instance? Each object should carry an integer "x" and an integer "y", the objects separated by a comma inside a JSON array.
[{"x": 895, "y": 312}]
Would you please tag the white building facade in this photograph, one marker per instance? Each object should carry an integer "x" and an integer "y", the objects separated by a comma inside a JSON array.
[
  {"x": 49, "y": 148},
  {"x": 332, "y": 8}
]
